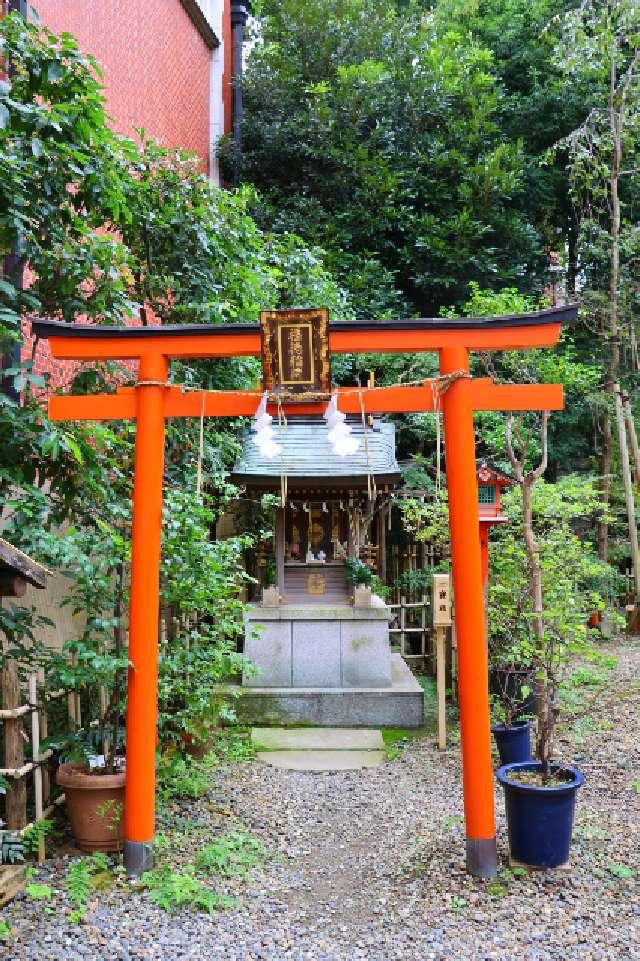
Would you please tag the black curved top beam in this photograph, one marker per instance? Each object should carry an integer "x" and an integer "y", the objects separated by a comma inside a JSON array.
[{"x": 551, "y": 315}]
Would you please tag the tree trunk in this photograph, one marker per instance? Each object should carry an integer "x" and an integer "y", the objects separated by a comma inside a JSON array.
[
  {"x": 605, "y": 487},
  {"x": 633, "y": 438},
  {"x": 545, "y": 682},
  {"x": 613, "y": 333},
  {"x": 16, "y": 800},
  {"x": 628, "y": 493}
]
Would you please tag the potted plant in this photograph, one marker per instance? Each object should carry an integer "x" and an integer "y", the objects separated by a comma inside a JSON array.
[
  {"x": 558, "y": 570},
  {"x": 92, "y": 668},
  {"x": 510, "y": 671},
  {"x": 358, "y": 574},
  {"x": 511, "y": 698}
]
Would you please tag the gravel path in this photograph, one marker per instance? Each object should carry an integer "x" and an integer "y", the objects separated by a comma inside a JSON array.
[{"x": 369, "y": 865}]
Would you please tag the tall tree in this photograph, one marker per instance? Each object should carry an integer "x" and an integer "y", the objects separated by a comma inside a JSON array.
[
  {"x": 373, "y": 130},
  {"x": 601, "y": 41}
]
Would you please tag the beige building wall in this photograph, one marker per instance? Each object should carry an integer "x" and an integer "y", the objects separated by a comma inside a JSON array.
[{"x": 47, "y": 602}]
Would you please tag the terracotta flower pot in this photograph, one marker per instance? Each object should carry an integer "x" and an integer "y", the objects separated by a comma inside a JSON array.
[{"x": 95, "y": 803}]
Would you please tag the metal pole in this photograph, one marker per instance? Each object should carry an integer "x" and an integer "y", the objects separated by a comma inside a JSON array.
[
  {"x": 139, "y": 809},
  {"x": 473, "y": 682},
  {"x": 239, "y": 17}
]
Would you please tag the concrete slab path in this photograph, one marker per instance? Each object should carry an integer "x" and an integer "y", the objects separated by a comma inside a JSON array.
[
  {"x": 319, "y": 748},
  {"x": 322, "y": 760},
  {"x": 317, "y": 739}
]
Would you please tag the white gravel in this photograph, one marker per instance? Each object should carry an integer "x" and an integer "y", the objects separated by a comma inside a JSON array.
[{"x": 369, "y": 865}]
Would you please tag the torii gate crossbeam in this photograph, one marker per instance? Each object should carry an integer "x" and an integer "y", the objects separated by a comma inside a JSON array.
[{"x": 152, "y": 400}]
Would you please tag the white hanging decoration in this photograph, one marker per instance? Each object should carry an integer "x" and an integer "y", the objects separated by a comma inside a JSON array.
[
  {"x": 339, "y": 435},
  {"x": 346, "y": 446},
  {"x": 264, "y": 432}
]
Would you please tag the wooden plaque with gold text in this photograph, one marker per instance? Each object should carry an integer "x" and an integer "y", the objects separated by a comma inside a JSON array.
[{"x": 295, "y": 351}]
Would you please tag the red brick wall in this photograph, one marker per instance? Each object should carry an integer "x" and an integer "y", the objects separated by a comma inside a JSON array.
[
  {"x": 156, "y": 65},
  {"x": 156, "y": 73}
]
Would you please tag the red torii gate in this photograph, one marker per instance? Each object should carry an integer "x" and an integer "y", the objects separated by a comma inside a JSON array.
[{"x": 152, "y": 400}]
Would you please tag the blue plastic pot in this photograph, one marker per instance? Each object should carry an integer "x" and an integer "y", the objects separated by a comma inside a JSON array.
[
  {"x": 513, "y": 743},
  {"x": 540, "y": 819}
]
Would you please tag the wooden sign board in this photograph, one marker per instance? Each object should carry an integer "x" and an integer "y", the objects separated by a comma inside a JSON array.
[
  {"x": 316, "y": 584},
  {"x": 295, "y": 352},
  {"x": 441, "y": 600}
]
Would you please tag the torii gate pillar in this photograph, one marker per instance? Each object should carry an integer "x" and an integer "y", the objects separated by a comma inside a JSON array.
[
  {"x": 146, "y": 533},
  {"x": 466, "y": 566}
]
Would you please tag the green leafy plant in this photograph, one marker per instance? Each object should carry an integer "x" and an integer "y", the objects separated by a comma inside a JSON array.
[
  {"x": 6, "y": 931},
  {"x": 172, "y": 890},
  {"x": 622, "y": 871},
  {"x": 185, "y": 777},
  {"x": 84, "y": 877},
  {"x": 545, "y": 580},
  {"x": 357, "y": 571},
  {"x": 111, "y": 812},
  {"x": 231, "y": 855},
  {"x": 34, "y": 834},
  {"x": 38, "y": 891},
  {"x": 497, "y": 889}
]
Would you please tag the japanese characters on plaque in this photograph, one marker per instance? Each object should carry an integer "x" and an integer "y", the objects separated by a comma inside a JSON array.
[
  {"x": 295, "y": 351},
  {"x": 441, "y": 600}
]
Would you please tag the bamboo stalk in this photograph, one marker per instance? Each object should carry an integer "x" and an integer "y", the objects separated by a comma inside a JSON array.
[
  {"x": 44, "y": 730},
  {"x": 35, "y": 754},
  {"x": 19, "y": 772},
  {"x": 16, "y": 800}
]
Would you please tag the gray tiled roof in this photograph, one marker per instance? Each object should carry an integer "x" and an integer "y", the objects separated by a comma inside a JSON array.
[{"x": 307, "y": 454}]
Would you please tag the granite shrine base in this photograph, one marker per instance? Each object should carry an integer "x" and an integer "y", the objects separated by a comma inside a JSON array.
[{"x": 400, "y": 704}]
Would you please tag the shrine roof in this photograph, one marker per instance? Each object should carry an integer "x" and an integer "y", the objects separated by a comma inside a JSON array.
[
  {"x": 550, "y": 315},
  {"x": 308, "y": 459},
  {"x": 14, "y": 561}
]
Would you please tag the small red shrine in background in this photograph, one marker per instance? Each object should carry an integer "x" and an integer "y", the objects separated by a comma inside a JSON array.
[{"x": 491, "y": 480}]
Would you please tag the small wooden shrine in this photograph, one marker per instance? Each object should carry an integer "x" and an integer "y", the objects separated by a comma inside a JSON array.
[
  {"x": 491, "y": 481},
  {"x": 321, "y": 645},
  {"x": 335, "y": 507}
]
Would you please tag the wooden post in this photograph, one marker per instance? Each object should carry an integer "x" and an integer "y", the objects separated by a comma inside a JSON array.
[
  {"x": 16, "y": 799},
  {"x": 140, "y": 785},
  {"x": 454, "y": 661},
  {"x": 473, "y": 677},
  {"x": 441, "y": 685},
  {"x": 73, "y": 702},
  {"x": 35, "y": 757},
  {"x": 102, "y": 707},
  {"x": 382, "y": 544},
  {"x": 403, "y": 620},
  {"x": 279, "y": 548},
  {"x": 44, "y": 730}
]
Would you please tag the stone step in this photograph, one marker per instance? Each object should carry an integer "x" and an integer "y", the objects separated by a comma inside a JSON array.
[
  {"x": 316, "y": 739},
  {"x": 322, "y": 760}
]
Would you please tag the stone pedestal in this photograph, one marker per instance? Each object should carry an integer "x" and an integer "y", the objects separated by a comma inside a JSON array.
[
  {"x": 310, "y": 646},
  {"x": 328, "y": 666}
]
